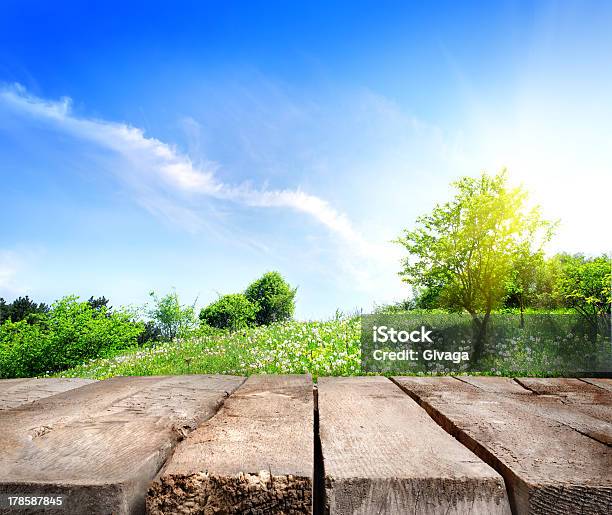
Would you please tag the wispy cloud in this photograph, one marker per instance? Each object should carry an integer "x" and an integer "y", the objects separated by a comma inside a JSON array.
[{"x": 164, "y": 162}]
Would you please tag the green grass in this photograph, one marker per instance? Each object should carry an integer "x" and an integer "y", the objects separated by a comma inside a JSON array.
[
  {"x": 318, "y": 348},
  {"x": 321, "y": 349}
]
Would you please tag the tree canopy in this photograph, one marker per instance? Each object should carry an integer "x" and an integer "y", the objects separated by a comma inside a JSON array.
[
  {"x": 585, "y": 286},
  {"x": 468, "y": 249},
  {"x": 274, "y": 297}
]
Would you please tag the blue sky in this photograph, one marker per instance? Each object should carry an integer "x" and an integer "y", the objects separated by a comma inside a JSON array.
[{"x": 197, "y": 145}]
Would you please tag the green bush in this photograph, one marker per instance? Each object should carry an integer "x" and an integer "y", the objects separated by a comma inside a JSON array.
[
  {"x": 170, "y": 317},
  {"x": 150, "y": 333},
  {"x": 274, "y": 298},
  {"x": 585, "y": 286},
  {"x": 232, "y": 311},
  {"x": 24, "y": 349},
  {"x": 71, "y": 333}
]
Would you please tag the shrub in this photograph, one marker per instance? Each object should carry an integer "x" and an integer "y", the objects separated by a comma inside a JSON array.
[
  {"x": 170, "y": 316},
  {"x": 24, "y": 349},
  {"x": 150, "y": 333},
  {"x": 69, "y": 334},
  {"x": 585, "y": 287},
  {"x": 232, "y": 311},
  {"x": 274, "y": 298}
]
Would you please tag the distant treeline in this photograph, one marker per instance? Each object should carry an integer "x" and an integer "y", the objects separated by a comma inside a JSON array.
[
  {"x": 561, "y": 282},
  {"x": 24, "y": 308}
]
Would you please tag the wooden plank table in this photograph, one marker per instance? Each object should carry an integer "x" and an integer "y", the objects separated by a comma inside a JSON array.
[
  {"x": 14, "y": 392},
  {"x": 255, "y": 456},
  {"x": 550, "y": 442},
  {"x": 102, "y": 444},
  {"x": 363, "y": 447},
  {"x": 383, "y": 454}
]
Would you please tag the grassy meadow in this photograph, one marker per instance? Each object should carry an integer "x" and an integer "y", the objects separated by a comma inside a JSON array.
[{"x": 319, "y": 348}]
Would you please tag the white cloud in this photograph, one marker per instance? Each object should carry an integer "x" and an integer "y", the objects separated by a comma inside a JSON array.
[{"x": 173, "y": 168}]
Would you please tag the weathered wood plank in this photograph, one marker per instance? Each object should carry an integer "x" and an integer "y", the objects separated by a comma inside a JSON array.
[
  {"x": 603, "y": 382},
  {"x": 14, "y": 392},
  {"x": 576, "y": 395},
  {"x": 577, "y": 404},
  {"x": 254, "y": 456},
  {"x": 505, "y": 385},
  {"x": 558, "y": 386},
  {"x": 548, "y": 464},
  {"x": 383, "y": 454},
  {"x": 100, "y": 445}
]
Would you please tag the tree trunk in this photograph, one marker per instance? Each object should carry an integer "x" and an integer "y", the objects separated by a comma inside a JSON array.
[{"x": 480, "y": 335}]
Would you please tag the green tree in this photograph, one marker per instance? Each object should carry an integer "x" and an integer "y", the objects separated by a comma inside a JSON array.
[
  {"x": 100, "y": 302},
  {"x": 522, "y": 283},
  {"x": 22, "y": 308},
  {"x": 547, "y": 275},
  {"x": 233, "y": 311},
  {"x": 469, "y": 247},
  {"x": 5, "y": 311},
  {"x": 428, "y": 297},
  {"x": 273, "y": 296},
  {"x": 172, "y": 319},
  {"x": 585, "y": 286}
]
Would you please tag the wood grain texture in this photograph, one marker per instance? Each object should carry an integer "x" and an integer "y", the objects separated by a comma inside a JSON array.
[
  {"x": 604, "y": 383},
  {"x": 574, "y": 395},
  {"x": 579, "y": 405},
  {"x": 254, "y": 456},
  {"x": 14, "y": 392},
  {"x": 545, "y": 448},
  {"x": 383, "y": 454},
  {"x": 491, "y": 384},
  {"x": 102, "y": 444}
]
